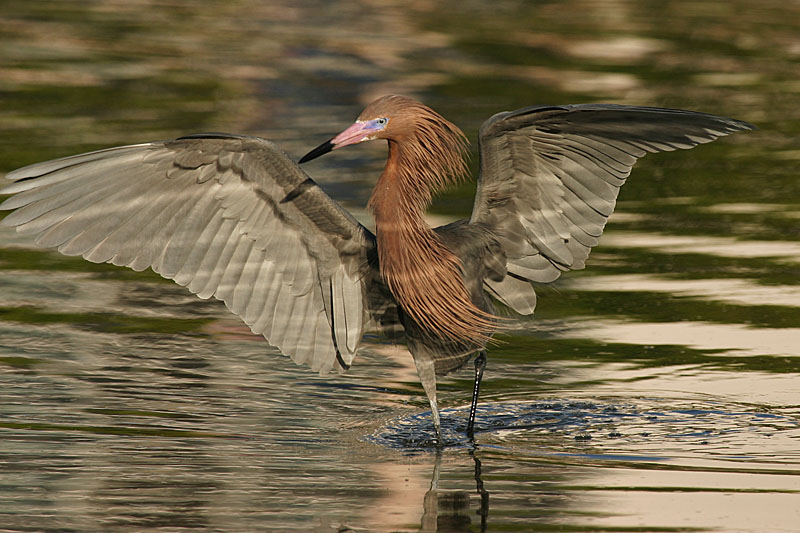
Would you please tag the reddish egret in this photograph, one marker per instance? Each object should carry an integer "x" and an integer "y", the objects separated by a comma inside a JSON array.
[{"x": 234, "y": 217}]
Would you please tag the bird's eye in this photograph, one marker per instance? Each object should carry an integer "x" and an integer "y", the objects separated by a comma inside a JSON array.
[{"x": 381, "y": 121}]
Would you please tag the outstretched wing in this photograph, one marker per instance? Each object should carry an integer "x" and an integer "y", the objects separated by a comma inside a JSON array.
[
  {"x": 226, "y": 216},
  {"x": 550, "y": 176}
]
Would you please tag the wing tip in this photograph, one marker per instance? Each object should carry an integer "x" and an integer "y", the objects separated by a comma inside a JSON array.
[{"x": 740, "y": 125}]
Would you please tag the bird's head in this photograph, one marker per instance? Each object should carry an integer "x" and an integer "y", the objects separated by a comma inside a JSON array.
[{"x": 391, "y": 117}]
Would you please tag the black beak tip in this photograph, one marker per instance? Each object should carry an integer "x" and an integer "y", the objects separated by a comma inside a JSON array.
[{"x": 322, "y": 149}]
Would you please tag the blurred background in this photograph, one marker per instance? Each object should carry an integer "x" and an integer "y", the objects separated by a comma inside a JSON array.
[{"x": 659, "y": 389}]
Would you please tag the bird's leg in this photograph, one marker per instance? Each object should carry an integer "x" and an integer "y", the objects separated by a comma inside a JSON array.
[
  {"x": 480, "y": 364},
  {"x": 427, "y": 376}
]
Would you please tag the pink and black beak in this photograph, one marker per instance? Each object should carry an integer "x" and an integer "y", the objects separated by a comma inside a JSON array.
[{"x": 358, "y": 132}]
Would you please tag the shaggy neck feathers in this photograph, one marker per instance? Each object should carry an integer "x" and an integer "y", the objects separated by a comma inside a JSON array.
[{"x": 424, "y": 276}]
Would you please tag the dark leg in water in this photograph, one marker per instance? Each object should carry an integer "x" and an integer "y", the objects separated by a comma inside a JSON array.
[{"x": 480, "y": 364}]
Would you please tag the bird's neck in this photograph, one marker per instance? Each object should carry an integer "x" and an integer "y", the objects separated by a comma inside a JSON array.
[
  {"x": 422, "y": 273},
  {"x": 402, "y": 194}
]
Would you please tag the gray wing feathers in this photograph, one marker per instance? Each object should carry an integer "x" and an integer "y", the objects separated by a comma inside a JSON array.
[
  {"x": 516, "y": 293},
  {"x": 66, "y": 167},
  {"x": 211, "y": 213},
  {"x": 345, "y": 324},
  {"x": 550, "y": 177}
]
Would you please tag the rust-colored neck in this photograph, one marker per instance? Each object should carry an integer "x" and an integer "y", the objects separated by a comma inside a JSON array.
[{"x": 423, "y": 275}]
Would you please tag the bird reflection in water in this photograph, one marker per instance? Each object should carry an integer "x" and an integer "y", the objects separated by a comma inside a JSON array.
[
  {"x": 234, "y": 217},
  {"x": 444, "y": 512}
]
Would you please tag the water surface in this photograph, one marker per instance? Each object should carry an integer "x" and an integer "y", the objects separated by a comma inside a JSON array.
[{"x": 658, "y": 390}]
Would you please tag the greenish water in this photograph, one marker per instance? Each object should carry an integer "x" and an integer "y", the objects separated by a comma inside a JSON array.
[{"x": 658, "y": 390}]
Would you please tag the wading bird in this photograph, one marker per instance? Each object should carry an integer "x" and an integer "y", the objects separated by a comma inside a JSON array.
[{"x": 234, "y": 217}]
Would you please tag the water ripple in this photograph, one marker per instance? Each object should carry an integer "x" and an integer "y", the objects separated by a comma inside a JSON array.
[{"x": 584, "y": 421}]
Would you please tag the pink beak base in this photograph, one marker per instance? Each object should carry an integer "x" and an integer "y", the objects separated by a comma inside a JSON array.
[{"x": 357, "y": 132}]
